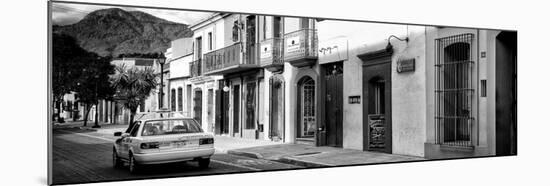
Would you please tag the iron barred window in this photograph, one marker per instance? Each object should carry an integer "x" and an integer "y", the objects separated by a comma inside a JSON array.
[{"x": 454, "y": 90}]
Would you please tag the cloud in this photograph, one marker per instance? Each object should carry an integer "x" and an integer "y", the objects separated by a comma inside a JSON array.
[{"x": 67, "y": 13}]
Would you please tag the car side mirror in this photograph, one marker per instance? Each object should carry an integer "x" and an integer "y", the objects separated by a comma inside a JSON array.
[{"x": 118, "y": 134}]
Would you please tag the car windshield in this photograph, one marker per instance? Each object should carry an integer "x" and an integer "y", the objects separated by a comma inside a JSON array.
[{"x": 163, "y": 127}]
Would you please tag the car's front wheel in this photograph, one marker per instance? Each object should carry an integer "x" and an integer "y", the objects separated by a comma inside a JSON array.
[
  {"x": 117, "y": 162},
  {"x": 203, "y": 163},
  {"x": 132, "y": 165}
]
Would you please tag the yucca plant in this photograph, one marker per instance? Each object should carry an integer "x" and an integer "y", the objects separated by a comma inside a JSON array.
[{"x": 133, "y": 85}]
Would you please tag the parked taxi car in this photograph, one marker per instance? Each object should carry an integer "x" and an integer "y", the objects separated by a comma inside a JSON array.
[{"x": 161, "y": 137}]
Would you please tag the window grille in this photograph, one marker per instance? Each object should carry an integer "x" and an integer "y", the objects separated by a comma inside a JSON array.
[
  {"x": 454, "y": 92},
  {"x": 308, "y": 123}
]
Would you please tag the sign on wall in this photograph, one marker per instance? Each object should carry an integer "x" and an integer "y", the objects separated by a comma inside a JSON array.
[
  {"x": 354, "y": 99},
  {"x": 405, "y": 65},
  {"x": 292, "y": 44},
  {"x": 266, "y": 50},
  {"x": 332, "y": 50}
]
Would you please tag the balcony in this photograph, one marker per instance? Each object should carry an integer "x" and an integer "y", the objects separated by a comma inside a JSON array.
[
  {"x": 195, "y": 68},
  {"x": 230, "y": 59},
  {"x": 300, "y": 47},
  {"x": 271, "y": 54}
]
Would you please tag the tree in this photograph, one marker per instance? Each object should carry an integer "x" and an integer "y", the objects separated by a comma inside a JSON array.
[
  {"x": 133, "y": 85},
  {"x": 66, "y": 64},
  {"x": 68, "y": 60},
  {"x": 93, "y": 84}
]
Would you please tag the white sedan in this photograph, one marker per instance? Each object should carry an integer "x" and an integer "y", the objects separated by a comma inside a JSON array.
[{"x": 163, "y": 140}]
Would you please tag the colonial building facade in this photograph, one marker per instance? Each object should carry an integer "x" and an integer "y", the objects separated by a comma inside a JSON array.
[{"x": 433, "y": 92}]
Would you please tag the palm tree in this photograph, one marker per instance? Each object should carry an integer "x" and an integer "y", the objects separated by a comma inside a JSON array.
[{"x": 133, "y": 85}]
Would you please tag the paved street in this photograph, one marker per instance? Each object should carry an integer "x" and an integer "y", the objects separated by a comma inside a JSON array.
[{"x": 85, "y": 156}]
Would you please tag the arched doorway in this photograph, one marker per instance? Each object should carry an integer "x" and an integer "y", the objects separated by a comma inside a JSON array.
[
  {"x": 276, "y": 102},
  {"x": 307, "y": 123}
]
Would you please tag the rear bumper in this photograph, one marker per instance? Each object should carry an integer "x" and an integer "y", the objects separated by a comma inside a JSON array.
[{"x": 175, "y": 156}]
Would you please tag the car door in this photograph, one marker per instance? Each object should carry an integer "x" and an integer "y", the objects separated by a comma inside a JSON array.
[{"x": 127, "y": 141}]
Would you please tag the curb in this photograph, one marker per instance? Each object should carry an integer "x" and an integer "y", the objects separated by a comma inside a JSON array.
[
  {"x": 303, "y": 163},
  {"x": 285, "y": 160},
  {"x": 246, "y": 154}
]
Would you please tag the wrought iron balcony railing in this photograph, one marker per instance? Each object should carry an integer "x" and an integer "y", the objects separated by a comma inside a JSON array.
[
  {"x": 300, "y": 47},
  {"x": 195, "y": 68},
  {"x": 271, "y": 54},
  {"x": 229, "y": 59}
]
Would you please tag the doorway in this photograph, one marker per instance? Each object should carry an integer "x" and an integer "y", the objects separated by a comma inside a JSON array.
[
  {"x": 209, "y": 110},
  {"x": 506, "y": 93},
  {"x": 250, "y": 117},
  {"x": 307, "y": 123},
  {"x": 276, "y": 128},
  {"x": 221, "y": 123},
  {"x": 236, "y": 110},
  {"x": 197, "y": 108},
  {"x": 377, "y": 126},
  {"x": 334, "y": 80}
]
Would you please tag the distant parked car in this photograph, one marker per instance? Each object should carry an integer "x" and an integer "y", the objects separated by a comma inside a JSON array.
[{"x": 162, "y": 138}]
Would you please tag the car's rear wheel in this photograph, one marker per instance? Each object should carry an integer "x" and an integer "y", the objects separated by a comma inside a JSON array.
[
  {"x": 132, "y": 165},
  {"x": 117, "y": 162},
  {"x": 204, "y": 162}
]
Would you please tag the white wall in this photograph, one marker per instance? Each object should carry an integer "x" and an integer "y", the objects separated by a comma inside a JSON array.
[
  {"x": 180, "y": 67},
  {"x": 408, "y": 99}
]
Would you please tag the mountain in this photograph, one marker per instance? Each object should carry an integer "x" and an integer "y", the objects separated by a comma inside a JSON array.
[{"x": 115, "y": 31}]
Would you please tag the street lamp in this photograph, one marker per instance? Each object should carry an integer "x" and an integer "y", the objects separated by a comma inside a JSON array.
[
  {"x": 161, "y": 61},
  {"x": 96, "y": 77}
]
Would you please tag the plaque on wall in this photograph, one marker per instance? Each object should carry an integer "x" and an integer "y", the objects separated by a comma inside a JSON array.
[{"x": 405, "y": 65}]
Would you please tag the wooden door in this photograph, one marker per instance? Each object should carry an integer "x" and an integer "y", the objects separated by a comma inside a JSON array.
[
  {"x": 218, "y": 121},
  {"x": 250, "y": 105},
  {"x": 334, "y": 104},
  {"x": 197, "y": 108},
  {"x": 236, "y": 109},
  {"x": 276, "y": 129},
  {"x": 209, "y": 110},
  {"x": 377, "y": 128},
  {"x": 506, "y": 93},
  {"x": 225, "y": 113}
]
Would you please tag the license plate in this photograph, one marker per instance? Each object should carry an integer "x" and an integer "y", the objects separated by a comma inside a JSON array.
[{"x": 180, "y": 144}]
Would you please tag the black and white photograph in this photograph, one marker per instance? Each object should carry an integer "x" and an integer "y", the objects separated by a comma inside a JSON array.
[
  {"x": 151, "y": 93},
  {"x": 279, "y": 92}
]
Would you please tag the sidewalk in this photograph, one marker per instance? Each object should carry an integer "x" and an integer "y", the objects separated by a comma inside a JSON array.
[
  {"x": 310, "y": 156},
  {"x": 106, "y": 128},
  {"x": 223, "y": 144}
]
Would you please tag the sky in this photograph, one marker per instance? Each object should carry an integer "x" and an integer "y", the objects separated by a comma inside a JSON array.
[{"x": 65, "y": 13}]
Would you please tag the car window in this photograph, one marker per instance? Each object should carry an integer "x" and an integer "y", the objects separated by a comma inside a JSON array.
[
  {"x": 134, "y": 130},
  {"x": 163, "y": 127}
]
